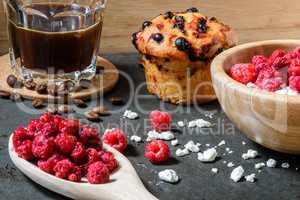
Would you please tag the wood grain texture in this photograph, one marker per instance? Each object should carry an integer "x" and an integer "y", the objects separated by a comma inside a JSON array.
[
  {"x": 267, "y": 118},
  {"x": 253, "y": 20}
]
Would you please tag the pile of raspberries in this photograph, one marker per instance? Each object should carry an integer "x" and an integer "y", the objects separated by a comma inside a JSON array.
[
  {"x": 65, "y": 148},
  {"x": 71, "y": 150},
  {"x": 280, "y": 70}
]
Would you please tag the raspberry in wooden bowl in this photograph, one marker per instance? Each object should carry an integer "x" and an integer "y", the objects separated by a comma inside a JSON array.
[
  {"x": 262, "y": 100},
  {"x": 177, "y": 49}
]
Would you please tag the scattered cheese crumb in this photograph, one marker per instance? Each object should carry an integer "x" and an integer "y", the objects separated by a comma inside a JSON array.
[
  {"x": 153, "y": 135},
  {"x": 230, "y": 152},
  {"x": 214, "y": 170},
  {"x": 180, "y": 124},
  {"x": 208, "y": 156},
  {"x": 230, "y": 164},
  {"x": 200, "y": 123},
  {"x": 244, "y": 143},
  {"x": 174, "y": 142},
  {"x": 130, "y": 114},
  {"x": 271, "y": 163},
  {"x": 250, "y": 154},
  {"x": 251, "y": 85},
  {"x": 251, "y": 178},
  {"x": 222, "y": 143},
  {"x": 237, "y": 173},
  {"x": 192, "y": 147},
  {"x": 182, "y": 152},
  {"x": 259, "y": 165},
  {"x": 227, "y": 149},
  {"x": 136, "y": 138},
  {"x": 168, "y": 175},
  {"x": 285, "y": 165},
  {"x": 208, "y": 145}
]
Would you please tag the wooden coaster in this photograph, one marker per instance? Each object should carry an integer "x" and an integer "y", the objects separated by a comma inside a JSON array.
[{"x": 101, "y": 83}]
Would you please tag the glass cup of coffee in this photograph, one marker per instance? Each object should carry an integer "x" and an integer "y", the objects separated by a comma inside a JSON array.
[{"x": 54, "y": 40}]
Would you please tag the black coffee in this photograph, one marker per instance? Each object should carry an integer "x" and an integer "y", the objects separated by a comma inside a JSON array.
[{"x": 55, "y": 37}]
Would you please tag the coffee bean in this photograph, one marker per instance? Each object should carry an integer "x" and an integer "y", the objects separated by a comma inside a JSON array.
[
  {"x": 37, "y": 103},
  {"x": 65, "y": 109},
  {"x": 92, "y": 116},
  {"x": 11, "y": 80},
  {"x": 118, "y": 101},
  {"x": 79, "y": 103},
  {"x": 41, "y": 89},
  {"x": 52, "y": 109},
  {"x": 85, "y": 83},
  {"x": 4, "y": 94},
  {"x": 100, "y": 110},
  {"x": 30, "y": 84},
  {"x": 16, "y": 97}
]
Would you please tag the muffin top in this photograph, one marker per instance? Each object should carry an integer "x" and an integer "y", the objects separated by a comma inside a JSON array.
[{"x": 184, "y": 35}]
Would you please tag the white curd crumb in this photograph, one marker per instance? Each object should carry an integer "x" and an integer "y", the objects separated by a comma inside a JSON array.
[
  {"x": 259, "y": 165},
  {"x": 174, "y": 142},
  {"x": 251, "y": 85},
  {"x": 153, "y": 135},
  {"x": 237, "y": 173},
  {"x": 222, "y": 143},
  {"x": 230, "y": 164},
  {"x": 130, "y": 114},
  {"x": 180, "y": 124},
  {"x": 214, "y": 170},
  {"x": 136, "y": 138},
  {"x": 271, "y": 163},
  {"x": 250, "y": 154},
  {"x": 182, "y": 152},
  {"x": 285, "y": 165},
  {"x": 208, "y": 145},
  {"x": 244, "y": 143},
  {"x": 168, "y": 175},
  {"x": 251, "y": 178},
  {"x": 192, "y": 147},
  {"x": 208, "y": 156},
  {"x": 200, "y": 123}
]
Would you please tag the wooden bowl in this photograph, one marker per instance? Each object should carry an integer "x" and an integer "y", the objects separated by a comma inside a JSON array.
[{"x": 270, "y": 119}]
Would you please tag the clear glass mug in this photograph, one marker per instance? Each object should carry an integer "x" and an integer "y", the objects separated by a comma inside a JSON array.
[{"x": 54, "y": 40}]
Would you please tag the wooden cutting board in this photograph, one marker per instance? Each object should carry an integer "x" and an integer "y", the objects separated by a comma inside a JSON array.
[{"x": 101, "y": 83}]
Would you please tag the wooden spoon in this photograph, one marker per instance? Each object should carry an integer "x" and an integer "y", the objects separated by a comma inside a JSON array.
[{"x": 124, "y": 185}]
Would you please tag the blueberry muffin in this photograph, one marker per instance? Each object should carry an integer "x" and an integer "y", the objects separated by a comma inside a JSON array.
[{"x": 177, "y": 49}]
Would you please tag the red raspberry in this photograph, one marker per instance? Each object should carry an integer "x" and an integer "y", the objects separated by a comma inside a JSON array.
[
  {"x": 116, "y": 139},
  {"x": 49, "y": 164},
  {"x": 20, "y": 134},
  {"x": 109, "y": 160},
  {"x": 64, "y": 168},
  {"x": 75, "y": 176},
  {"x": 48, "y": 129},
  {"x": 65, "y": 143},
  {"x": 33, "y": 126},
  {"x": 160, "y": 121},
  {"x": 157, "y": 151},
  {"x": 43, "y": 147},
  {"x": 78, "y": 155},
  {"x": 297, "y": 50},
  {"x": 278, "y": 59},
  {"x": 272, "y": 84},
  {"x": 92, "y": 155},
  {"x": 98, "y": 173},
  {"x": 243, "y": 73},
  {"x": 259, "y": 59},
  {"x": 294, "y": 83},
  {"x": 46, "y": 117},
  {"x": 69, "y": 126},
  {"x": 267, "y": 73},
  {"x": 89, "y": 136},
  {"x": 24, "y": 150}
]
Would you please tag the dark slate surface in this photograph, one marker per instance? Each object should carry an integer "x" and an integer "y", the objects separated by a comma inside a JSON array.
[{"x": 197, "y": 181}]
